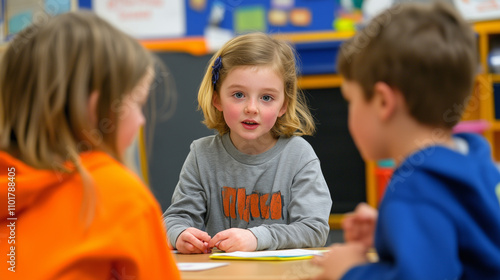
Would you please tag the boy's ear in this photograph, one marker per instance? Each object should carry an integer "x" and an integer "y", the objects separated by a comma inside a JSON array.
[
  {"x": 92, "y": 107},
  {"x": 386, "y": 98},
  {"x": 216, "y": 101}
]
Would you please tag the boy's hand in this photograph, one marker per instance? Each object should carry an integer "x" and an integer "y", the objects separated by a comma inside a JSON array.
[
  {"x": 359, "y": 226},
  {"x": 193, "y": 241},
  {"x": 234, "y": 239},
  {"x": 339, "y": 260}
]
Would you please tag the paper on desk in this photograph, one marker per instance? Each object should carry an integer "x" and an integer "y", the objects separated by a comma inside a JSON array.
[
  {"x": 279, "y": 255},
  {"x": 194, "y": 266}
]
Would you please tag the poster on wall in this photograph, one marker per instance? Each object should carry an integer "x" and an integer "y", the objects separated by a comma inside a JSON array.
[
  {"x": 145, "y": 19},
  {"x": 21, "y": 13},
  {"x": 477, "y": 10}
]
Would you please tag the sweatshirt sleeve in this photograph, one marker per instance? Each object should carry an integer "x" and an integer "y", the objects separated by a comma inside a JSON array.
[
  {"x": 416, "y": 240},
  {"x": 188, "y": 194},
  {"x": 308, "y": 211}
]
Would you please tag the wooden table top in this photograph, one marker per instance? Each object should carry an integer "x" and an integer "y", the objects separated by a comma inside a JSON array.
[{"x": 249, "y": 270}]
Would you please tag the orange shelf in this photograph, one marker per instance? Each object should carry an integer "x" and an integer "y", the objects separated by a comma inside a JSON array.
[
  {"x": 487, "y": 26},
  {"x": 314, "y": 36},
  {"x": 320, "y": 81},
  {"x": 196, "y": 45},
  {"x": 191, "y": 45},
  {"x": 495, "y": 125}
]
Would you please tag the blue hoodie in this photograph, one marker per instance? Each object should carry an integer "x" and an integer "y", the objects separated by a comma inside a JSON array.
[{"x": 439, "y": 218}]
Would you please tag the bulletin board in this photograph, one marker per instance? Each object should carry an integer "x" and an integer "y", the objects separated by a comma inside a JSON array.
[
  {"x": 242, "y": 16},
  {"x": 254, "y": 15}
]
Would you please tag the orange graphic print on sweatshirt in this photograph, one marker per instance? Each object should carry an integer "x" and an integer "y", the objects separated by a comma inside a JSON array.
[{"x": 236, "y": 201}]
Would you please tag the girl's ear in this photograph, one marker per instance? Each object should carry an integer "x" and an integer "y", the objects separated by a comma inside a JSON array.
[
  {"x": 283, "y": 109},
  {"x": 216, "y": 101},
  {"x": 92, "y": 107},
  {"x": 386, "y": 98}
]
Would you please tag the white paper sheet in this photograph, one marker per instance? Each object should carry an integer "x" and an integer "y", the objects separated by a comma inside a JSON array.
[{"x": 193, "y": 266}]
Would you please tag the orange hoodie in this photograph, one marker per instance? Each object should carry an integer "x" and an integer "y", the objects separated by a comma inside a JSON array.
[{"x": 43, "y": 236}]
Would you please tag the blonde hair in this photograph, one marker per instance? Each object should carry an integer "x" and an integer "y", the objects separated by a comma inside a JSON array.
[
  {"x": 47, "y": 74},
  {"x": 258, "y": 49}
]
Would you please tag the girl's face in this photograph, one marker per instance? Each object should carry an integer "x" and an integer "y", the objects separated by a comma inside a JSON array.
[
  {"x": 251, "y": 99},
  {"x": 131, "y": 116}
]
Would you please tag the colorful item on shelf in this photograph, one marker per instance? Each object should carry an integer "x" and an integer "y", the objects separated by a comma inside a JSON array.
[
  {"x": 198, "y": 5},
  {"x": 277, "y": 17},
  {"x": 282, "y": 4},
  {"x": 250, "y": 19},
  {"x": 474, "y": 126},
  {"x": 494, "y": 61},
  {"x": 383, "y": 173},
  {"x": 301, "y": 17},
  {"x": 217, "y": 11},
  {"x": 344, "y": 24}
]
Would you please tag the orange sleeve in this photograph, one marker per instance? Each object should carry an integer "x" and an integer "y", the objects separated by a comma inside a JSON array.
[{"x": 126, "y": 239}]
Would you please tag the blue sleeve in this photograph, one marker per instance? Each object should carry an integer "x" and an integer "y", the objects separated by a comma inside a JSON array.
[{"x": 414, "y": 241}]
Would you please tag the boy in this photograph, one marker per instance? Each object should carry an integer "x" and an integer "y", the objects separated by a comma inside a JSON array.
[{"x": 407, "y": 76}]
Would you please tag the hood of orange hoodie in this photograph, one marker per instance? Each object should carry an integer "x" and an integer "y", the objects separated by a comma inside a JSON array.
[{"x": 22, "y": 184}]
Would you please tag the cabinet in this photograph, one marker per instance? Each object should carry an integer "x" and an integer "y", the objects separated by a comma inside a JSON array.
[{"x": 488, "y": 37}]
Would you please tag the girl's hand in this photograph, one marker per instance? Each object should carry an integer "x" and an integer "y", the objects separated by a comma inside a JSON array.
[
  {"x": 234, "y": 239},
  {"x": 193, "y": 241},
  {"x": 339, "y": 260},
  {"x": 359, "y": 226}
]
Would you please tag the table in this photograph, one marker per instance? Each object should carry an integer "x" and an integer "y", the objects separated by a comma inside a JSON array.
[{"x": 250, "y": 270}]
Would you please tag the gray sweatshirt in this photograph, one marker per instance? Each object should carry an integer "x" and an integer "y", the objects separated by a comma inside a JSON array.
[{"x": 279, "y": 195}]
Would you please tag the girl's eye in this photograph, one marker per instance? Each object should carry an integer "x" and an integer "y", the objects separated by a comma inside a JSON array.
[
  {"x": 238, "y": 95},
  {"x": 267, "y": 98}
]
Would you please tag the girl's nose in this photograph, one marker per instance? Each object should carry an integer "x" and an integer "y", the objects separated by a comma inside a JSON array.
[{"x": 251, "y": 107}]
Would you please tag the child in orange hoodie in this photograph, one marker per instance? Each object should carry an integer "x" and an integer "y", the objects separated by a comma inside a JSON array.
[{"x": 71, "y": 92}]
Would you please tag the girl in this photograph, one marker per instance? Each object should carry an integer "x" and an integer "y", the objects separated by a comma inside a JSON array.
[
  {"x": 71, "y": 93},
  {"x": 255, "y": 185}
]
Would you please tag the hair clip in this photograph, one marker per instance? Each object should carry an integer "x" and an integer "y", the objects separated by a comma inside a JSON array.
[{"x": 215, "y": 70}]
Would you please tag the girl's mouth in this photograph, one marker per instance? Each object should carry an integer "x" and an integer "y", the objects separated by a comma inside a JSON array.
[{"x": 249, "y": 124}]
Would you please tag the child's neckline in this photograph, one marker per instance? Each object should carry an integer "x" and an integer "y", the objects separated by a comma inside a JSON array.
[{"x": 252, "y": 159}]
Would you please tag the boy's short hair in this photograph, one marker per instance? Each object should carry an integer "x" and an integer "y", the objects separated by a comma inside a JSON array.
[{"x": 426, "y": 51}]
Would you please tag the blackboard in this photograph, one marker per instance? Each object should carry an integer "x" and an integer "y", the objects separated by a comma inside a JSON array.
[
  {"x": 342, "y": 166},
  {"x": 341, "y": 163}
]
